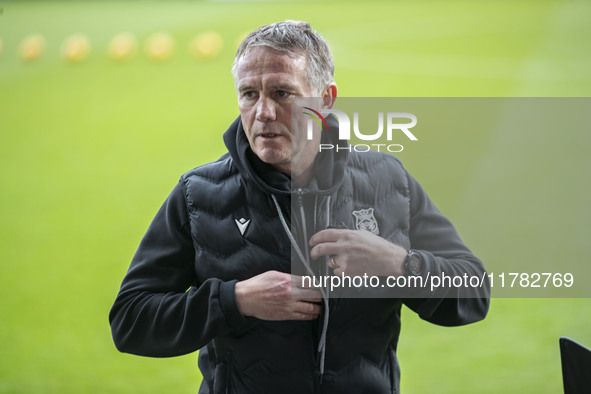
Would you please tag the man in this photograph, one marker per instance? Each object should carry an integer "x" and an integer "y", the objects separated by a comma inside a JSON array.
[{"x": 226, "y": 233}]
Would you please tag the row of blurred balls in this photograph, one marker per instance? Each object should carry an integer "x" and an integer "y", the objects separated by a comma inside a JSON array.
[{"x": 124, "y": 46}]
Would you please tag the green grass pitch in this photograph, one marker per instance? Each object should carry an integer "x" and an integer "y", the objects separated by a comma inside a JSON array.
[{"x": 90, "y": 150}]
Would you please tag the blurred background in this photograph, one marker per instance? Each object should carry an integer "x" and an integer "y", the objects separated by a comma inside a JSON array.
[{"x": 103, "y": 105}]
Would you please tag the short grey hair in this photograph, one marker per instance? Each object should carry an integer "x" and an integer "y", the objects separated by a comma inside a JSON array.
[{"x": 295, "y": 37}]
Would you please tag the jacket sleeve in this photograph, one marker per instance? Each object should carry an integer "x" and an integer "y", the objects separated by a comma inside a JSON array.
[
  {"x": 443, "y": 253},
  {"x": 161, "y": 310}
]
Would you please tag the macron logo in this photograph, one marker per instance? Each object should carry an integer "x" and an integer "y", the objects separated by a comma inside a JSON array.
[{"x": 242, "y": 225}]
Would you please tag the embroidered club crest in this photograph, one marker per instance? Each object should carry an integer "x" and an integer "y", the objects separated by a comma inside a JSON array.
[{"x": 365, "y": 220}]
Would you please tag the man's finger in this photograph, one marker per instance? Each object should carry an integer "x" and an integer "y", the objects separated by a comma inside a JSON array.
[
  {"x": 309, "y": 308},
  {"x": 301, "y": 294},
  {"x": 325, "y": 249},
  {"x": 303, "y": 316},
  {"x": 314, "y": 300},
  {"x": 328, "y": 235}
]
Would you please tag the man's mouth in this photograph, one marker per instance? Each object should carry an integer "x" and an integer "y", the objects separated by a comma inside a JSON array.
[{"x": 269, "y": 135}]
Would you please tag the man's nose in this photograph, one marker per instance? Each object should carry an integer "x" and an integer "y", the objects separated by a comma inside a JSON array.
[{"x": 266, "y": 110}]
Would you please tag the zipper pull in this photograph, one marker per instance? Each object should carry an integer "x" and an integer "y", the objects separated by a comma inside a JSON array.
[{"x": 300, "y": 193}]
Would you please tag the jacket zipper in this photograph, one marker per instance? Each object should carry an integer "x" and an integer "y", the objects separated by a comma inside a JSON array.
[
  {"x": 300, "y": 194},
  {"x": 305, "y": 258}
]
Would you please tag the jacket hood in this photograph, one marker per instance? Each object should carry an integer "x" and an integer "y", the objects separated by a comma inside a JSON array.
[{"x": 329, "y": 165}]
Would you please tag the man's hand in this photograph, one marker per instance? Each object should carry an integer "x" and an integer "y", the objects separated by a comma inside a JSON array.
[
  {"x": 275, "y": 295},
  {"x": 358, "y": 252}
]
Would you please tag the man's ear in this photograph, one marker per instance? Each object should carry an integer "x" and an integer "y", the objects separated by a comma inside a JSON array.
[{"x": 329, "y": 95}]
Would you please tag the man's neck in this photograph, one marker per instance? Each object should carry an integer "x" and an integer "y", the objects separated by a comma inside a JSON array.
[
  {"x": 298, "y": 178},
  {"x": 302, "y": 179}
]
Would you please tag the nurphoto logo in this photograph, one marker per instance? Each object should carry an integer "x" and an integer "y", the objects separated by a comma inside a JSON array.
[{"x": 396, "y": 122}]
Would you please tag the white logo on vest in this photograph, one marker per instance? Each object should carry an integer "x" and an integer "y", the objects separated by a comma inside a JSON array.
[
  {"x": 242, "y": 225},
  {"x": 365, "y": 220}
]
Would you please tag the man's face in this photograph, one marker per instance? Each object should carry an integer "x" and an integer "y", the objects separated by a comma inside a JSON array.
[{"x": 267, "y": 82}]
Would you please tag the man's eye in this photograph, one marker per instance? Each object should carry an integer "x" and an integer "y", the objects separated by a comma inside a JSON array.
[
  {"x": 282, "y": 93},
  {"x": 249, "y": 94}
]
